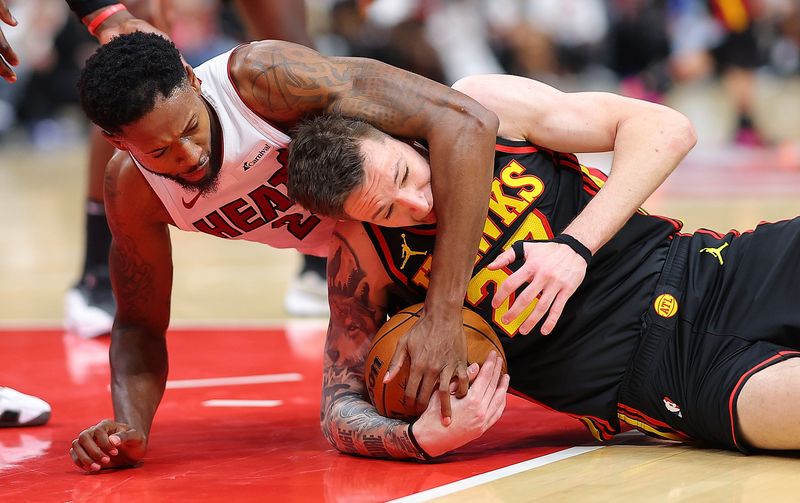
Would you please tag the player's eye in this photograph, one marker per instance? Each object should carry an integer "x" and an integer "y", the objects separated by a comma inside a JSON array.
[{"x": 405, "y": 176}]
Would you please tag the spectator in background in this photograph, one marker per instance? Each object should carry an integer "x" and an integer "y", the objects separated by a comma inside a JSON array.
[
  {"x": 639, "y": 47},
  {"x": 720, "y": 37},
  {"x": 16, "y": 409},
  {"x": 550, "y": 39},
  {"x": 395, "y": 36},
  {"x": 39, "y": 21}
]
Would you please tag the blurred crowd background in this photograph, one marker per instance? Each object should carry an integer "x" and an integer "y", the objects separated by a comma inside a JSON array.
[{"x": 643, "y": 48}]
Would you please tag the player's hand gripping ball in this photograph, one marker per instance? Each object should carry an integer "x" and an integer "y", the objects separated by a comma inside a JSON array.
[{"x": 389, "y": 398}]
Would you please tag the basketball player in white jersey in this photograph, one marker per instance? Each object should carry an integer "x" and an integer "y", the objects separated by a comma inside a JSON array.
[{"x": 204, "y": 151}]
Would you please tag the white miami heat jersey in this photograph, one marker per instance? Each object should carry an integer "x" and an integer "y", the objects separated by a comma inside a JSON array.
[{"x": 250, "y": 202}]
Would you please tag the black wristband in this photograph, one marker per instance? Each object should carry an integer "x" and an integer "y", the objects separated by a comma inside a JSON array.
[
  {"x": 577, "y": 246},
  {"x": 564, "y": 239},
  {"x": 83, "y": 8},
  {"x": 425, "y": 455}
]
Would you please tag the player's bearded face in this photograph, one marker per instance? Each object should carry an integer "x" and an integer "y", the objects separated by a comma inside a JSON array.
[
  {"x": 174, "y": 141},
  {"x": 396, "y": 189}
]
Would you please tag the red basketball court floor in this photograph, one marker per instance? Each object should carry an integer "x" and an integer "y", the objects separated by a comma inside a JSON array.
[{"x": 239, "y": 421}]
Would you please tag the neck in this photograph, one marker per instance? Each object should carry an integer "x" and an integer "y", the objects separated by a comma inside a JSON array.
[{"x": 216, "y": 136}]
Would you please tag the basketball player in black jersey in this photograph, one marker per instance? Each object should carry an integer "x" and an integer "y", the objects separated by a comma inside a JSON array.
[{"x": 686, "y": 337}]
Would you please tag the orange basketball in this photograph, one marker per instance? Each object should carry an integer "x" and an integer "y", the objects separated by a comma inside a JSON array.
[{"x": 389, "y": 398}]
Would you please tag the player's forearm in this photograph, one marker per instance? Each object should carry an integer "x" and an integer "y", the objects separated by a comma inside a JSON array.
[
  {"x": 462, "y": 157},
  {"x": 83, "y": 8},
  {"x": 353, "y": 426},
  {"x": 139, "y": 369},
  {"x": 646, "y": 150},
  {"x": 118, "y": 23}
]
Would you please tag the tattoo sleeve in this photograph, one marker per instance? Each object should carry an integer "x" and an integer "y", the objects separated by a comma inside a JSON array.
[{"x": 348, "y": 420}]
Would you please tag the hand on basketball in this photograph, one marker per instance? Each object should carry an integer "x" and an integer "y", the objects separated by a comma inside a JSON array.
[
  {"x": 472, "y": 415},
  {"x": 8, "y": 57},
  {"x": 553, "y": 272},
  {"x": 437, "y": 349},
  {"x": 108, "y": 444}
]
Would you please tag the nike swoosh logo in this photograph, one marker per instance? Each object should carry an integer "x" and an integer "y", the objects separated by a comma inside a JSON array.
[{"x": 191, "y": 203}]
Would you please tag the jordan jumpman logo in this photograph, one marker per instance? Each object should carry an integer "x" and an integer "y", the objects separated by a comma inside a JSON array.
[
  {"x": 407, "y": 252},
  {"x": 717, "y": 252}
]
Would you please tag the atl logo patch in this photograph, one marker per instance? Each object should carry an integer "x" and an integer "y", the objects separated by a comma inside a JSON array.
[{"x": 666, "y": 305}]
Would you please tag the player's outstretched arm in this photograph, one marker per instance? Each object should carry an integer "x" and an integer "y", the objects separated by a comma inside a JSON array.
[
  {"x": 357, "y": 292},
  {"x": 648, "y": 141},
  {"x": 141, "y": 275},
  {"x": 286, "y": 82}
]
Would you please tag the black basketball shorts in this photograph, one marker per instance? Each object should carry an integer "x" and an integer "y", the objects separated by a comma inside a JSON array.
[{"x": 726, "y": 307}]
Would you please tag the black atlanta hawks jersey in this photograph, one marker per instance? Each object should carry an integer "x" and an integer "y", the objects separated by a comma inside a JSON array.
[{"x": 535, "y": 194}]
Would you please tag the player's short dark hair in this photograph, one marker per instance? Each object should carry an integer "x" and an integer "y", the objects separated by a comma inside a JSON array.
[
  {"x": 123, "y": 79},
  {"x": 325, "y": 162}
]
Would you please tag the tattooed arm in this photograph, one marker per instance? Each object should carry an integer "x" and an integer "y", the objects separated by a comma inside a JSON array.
[
  {"x": 286, "y": 82},
  {"x": 358, "y": 291},
  {"x": 141, "y": 275}
]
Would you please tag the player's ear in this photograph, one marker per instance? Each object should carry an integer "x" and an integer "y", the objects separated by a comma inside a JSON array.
[
  {"x": 114, "y": 140},
  {"x": 194, "y": 80}
]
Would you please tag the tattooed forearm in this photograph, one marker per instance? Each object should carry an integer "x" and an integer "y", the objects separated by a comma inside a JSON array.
[{"x": 354, "y": 426}]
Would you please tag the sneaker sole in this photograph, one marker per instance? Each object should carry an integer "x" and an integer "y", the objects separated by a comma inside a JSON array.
[{"x": 37, "y": 421}]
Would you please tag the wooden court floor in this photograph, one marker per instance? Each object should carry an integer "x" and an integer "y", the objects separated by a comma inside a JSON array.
[{"x": 227, "y": 308}]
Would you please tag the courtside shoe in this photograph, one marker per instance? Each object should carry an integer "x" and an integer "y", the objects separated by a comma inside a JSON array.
[
  {"x": 307, "y": 296},
  {"x": 19, "y": 409},
  {"x": 89, "y": 307}
]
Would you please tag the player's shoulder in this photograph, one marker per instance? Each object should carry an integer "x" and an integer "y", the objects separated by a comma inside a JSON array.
[
  {"x": 351, "y": 235},
  {"x": 262, "y": 54},
  {"x": 127, "y": 192},
  {"x": 352, "y": 250},
  {"x": 350, "y": 231}
]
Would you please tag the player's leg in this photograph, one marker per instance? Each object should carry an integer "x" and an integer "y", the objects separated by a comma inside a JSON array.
[
  {"x": 308, "y": 292},
  {"x": 275, "y": 19},
  {"x": 768, "y": 407},
  {"x": 90, "y": 306}
]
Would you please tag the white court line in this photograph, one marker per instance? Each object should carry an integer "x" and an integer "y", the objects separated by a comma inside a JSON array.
[
  {"x": 233, "y": 381},
  {"x": 500, "y": 473},
  {"x": 242, "y": 403}
]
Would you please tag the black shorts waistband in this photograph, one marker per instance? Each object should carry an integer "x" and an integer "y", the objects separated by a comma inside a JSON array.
[{"x": 659, "y": 320}]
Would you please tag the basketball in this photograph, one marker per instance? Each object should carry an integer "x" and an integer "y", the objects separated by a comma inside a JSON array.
[{"x": 389, "y": 398}]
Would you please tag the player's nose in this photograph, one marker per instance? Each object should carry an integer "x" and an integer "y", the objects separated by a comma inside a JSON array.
[
  {"x": 417, "y": 204},
  {"x": 189, "y": 153}
]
